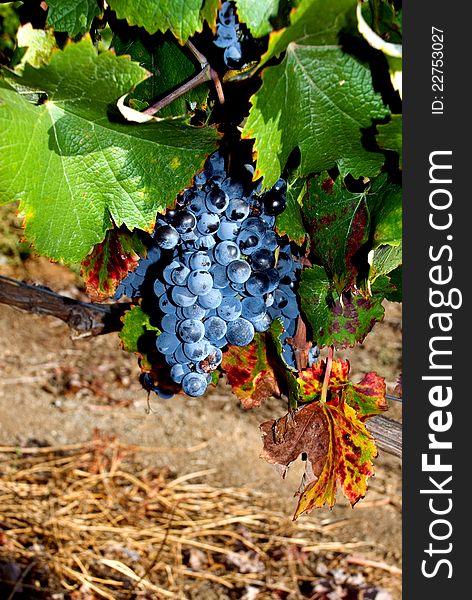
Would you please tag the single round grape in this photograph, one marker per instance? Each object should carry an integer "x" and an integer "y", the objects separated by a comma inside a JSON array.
[
  {"x": 229, "y": 309},
  {"x": 210, "y": 300},
  {"x": 238, "y": 271},
  {"x": 258, "y": 284},
  {"x": 220, "y": 279},
  {"x": 194, "y": 384},
  {"x": 233, "y": 56},
  {"x": 240, "y": 332},
  {"x": 167, "y": 272},
  {"x": 178, "y": 372},
  {"x": 182, "y": 296},
  {"x": 193, "y": 312},
  {"x": 196, "y": 203},
  {"x": 191, "y": 330},
  {"x": 180, "y": 356},
  {"x": 253, "y": 309},
  {"x": 200, "y": 261},
  {"x": 215, "y": 329},
  {"x": 216, "y": 200},
  {"x": 200, "y": 282},
  {"x": 263, "y": 324},
  {"x": 208, "y": 223},
  {"x": 237, "y": 210},
  {"x": 166, "y": 343},
  {"x": 179, "y": 275},
  {"x": 248, "y": 241},
  {"x": 196, "y": 351},
  {"x": 165, "y": 304},
  {"x": 169, "y": 322},
  {"x": 274, "y": 202},
  {"x": 280, "y": 186},
  {"x": 184, "y": 221},
  {"x": 166, "y": 237},
  {"x": 262, "y": 259},
  {"x": 225, "y": 252},
  {"x": 228, "y": 230}
]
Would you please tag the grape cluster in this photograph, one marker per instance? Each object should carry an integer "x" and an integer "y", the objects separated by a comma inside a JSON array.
[
  {"x": 228, "y": 36},
  {"x": 223, "y": 274}
]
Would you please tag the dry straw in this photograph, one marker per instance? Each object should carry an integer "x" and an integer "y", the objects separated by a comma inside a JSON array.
[{"x": 91, "y": 521}]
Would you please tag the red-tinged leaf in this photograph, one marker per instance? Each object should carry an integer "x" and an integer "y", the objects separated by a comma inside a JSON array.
[
  {"x": 367, "y": 397},
  {"x": 348, "y": 462},
  {"x": 109, "y": 263},
  {"x": 310, "y": 381},
  {"x": 338, "y": 221},
  {"x": 340, "y": 321},
  {"x": 338, "y": 447},
  {"x": 303, "y": 430},
  {"x": 249, "y": 372}
]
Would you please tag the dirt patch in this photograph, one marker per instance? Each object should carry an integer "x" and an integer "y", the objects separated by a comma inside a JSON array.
[{"x": 59, "y": 390}]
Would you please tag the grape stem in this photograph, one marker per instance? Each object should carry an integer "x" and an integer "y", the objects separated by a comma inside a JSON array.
[
  {"x": 327, "y": 375},
  {"x": 206, "y": 74}
]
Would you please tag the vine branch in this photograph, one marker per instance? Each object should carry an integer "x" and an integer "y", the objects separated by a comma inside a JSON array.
[
  {"x": 206, "y": 74},
  {"x": 85, "y": 318}
]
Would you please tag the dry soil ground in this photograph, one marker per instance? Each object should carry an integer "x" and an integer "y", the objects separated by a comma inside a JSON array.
[{"x": 58, "y": 390}]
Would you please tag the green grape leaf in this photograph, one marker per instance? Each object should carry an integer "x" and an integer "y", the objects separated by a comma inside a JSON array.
[
  {"x": 257, "y": 15},
  {"x": 169, "y": 67},
  {"x": 394, "y": 294},
  {"x": 72, "y": 16},
  {"x": 182, "y": 17},
  {"x": 135, "y": 325},
  {"x": 339, "y": 450},
  {"x": 390, "y": 136},
  {"x": 339, "y": 320},
  {"x": 249, "y": 373},
  {"x": 290, "y": 222},
  {"x": 317, "y": 99},
  {"x": 384, "y": 200},
  {"x": 210, "y": 12},
  {"x": 75, "y": 171},
  {"x": 384, "y": 259},
  {"x": 313, "y": 23},
  {"x": 338, "y": 223},
  {"x": 110, "y": 261}
]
